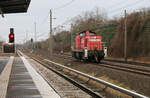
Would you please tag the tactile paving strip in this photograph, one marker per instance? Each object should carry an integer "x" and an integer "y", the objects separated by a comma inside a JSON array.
[{"x": 21, "y": 84}]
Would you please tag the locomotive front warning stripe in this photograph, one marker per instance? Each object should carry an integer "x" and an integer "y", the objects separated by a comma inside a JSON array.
[{"x": 95, "y": 40}]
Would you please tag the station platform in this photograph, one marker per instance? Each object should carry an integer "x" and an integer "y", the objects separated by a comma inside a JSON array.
[{"x": 20, "y": 80}]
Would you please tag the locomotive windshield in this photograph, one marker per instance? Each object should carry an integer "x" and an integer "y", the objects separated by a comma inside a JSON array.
[
  {"x": 92, "y": 33},
  {"x": 82, "y": 34}
]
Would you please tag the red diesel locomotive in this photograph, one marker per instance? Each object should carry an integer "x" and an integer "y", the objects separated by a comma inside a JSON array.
[{"x": 88, "y": 46}]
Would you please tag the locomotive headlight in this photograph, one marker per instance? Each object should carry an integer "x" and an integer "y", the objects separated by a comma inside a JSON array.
[{"x": 86, "y": 52}]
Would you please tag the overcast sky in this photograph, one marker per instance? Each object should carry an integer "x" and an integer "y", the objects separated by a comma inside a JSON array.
[{"x": 63, "y": 10}]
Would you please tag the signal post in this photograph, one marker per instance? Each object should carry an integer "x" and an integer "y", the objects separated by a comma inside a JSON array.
[
  {"x": 10, "y": 47},
  {"x": 11, "y": 36}
]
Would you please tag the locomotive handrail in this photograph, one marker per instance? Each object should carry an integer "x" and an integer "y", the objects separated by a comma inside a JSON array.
[{"x": 123, "y": 90}]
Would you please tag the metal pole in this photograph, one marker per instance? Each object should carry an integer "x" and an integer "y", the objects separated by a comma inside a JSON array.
[
  {"x": 26, "y": 36},
  {"x": 125, "y": 38},
  {"x": 31, "y": 44},
  {"x": 71, "y": 39},
  {"x": 26, "y": 39},
  {"x": 35, "y": 35},
  {"x": 51, "y": 36}
]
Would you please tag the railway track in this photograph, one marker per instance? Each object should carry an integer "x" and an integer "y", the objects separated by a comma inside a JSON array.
[
  {"x": 129, "y": 62},
  {"x": 64, "y": 75},
  {"x": 110, "y": 60},
  {"x": 94, "y": 91},
  {"x": 136, "y": 68}
]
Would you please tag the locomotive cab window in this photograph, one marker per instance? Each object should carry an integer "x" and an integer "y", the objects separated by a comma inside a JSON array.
[
  {"x": 92, "y": 33},
  {"x": 82, "y": 35}
]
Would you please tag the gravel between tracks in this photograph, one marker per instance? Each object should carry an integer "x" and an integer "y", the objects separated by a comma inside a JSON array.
[
  {"x": 138, "y": 83},
  {"x": 63, "y": 87}
]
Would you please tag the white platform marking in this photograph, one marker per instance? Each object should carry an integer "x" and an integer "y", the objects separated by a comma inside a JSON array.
[
  {"x": 4, "y": 78},
  {"x": 45, "y": 90}
]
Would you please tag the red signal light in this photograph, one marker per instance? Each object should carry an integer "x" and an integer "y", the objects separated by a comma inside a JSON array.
[{"x": 11, "y": 36}]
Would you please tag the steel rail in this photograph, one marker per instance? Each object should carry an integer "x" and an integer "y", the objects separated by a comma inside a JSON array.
[
  {"x": 125, "y": 68},
  {"x": 128, "y": 62},
  {"x": 123, "y": 90},
  {"x": 82, "y": 87},
  {"x": 118, "y": 64},
  {"x": 119, "y": 61}
]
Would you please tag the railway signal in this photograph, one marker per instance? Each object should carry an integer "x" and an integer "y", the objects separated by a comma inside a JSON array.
[
  {"x": 11, "y": 36},
  {"x": 31, "y": 40}
]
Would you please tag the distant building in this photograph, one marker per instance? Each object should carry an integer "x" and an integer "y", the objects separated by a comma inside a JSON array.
[{"x": 1, "y": 46}]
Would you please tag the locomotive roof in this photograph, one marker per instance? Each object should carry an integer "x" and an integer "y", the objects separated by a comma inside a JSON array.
[{"x": 86, "y": 31}]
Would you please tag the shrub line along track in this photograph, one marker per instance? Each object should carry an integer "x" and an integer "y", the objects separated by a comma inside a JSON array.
[
  {"x": 106, "y": 64},
  {"x": 79, "y": 85},
  {"x": 90, "y": 92}
]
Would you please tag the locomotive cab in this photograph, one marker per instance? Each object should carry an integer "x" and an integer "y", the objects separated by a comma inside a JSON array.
[{"x": 88, "y": 46}]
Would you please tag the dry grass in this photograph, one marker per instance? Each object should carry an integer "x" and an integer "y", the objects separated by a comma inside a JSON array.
[
  {"x": 139, "y": 59},
  {"x": 105, "y": 78}
]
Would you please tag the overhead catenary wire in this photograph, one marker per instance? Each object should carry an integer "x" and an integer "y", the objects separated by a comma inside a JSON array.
[
  {"x": 41, "y": 35},
  {"x": 112, "y": 11},
  {"x": 44, "y": 20},
  {"x": 64, "y": 5},
  {"x": 122, "y": 12},
  {"x": 45, "y": 36},
  {"x": 118, "y": 9},
  {"x": 118, "y": 3},
  {"x": 129, "y": 5}
]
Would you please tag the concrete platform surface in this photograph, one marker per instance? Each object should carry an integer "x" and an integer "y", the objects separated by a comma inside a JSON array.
[
  {"x": 25, "y": 82},
  {"x": 3, "y": 62},
  {"x": 4, "y": 78}
]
